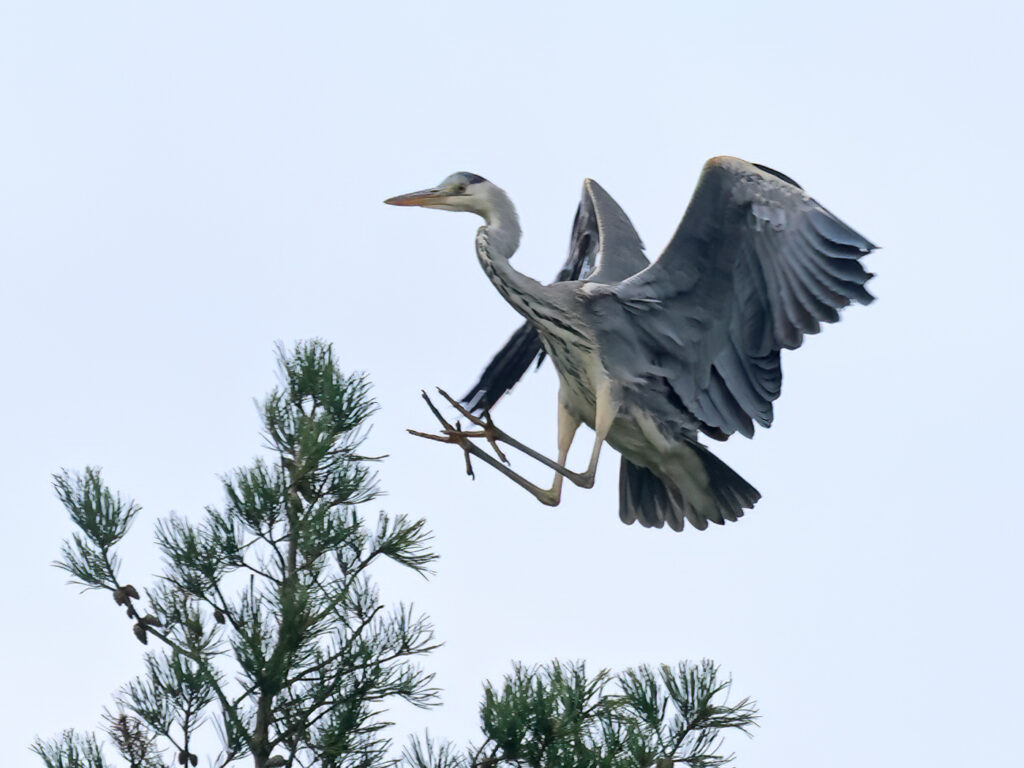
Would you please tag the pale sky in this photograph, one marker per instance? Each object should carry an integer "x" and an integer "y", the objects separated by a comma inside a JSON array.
[{"x": 183, "y": 184}]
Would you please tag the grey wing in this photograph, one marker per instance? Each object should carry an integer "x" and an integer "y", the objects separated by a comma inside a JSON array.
[
  {"x": 604, "y": 247},
  {"x": 754, "y": 266},
  {"x": 605, "y": 234}
]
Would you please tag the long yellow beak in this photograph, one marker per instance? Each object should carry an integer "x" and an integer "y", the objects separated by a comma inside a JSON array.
[{"x": 423, "y": 197}]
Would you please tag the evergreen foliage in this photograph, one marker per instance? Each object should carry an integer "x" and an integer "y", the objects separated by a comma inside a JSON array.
[
  {"x": 556, "y": 716},
  {"x": 267, "y": 622},
  {"x": 267, "y": 627}
]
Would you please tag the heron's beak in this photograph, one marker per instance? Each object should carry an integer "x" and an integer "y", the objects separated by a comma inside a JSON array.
[{"x": 424, "y": 198}]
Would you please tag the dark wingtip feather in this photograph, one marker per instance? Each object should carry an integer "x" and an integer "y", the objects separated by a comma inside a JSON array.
[
  {"x": 837, "y": 231},
  {"x": 777, "y": 174},
  {"x": 505, "y": 369},
  {"x": 864, "y": 296}
]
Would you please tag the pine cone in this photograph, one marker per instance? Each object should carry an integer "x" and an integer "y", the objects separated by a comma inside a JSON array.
[
  {"x": 131, "y": 591},
  {"x": 150, "y": 620},
  {"x": 140, "y": 632},
  {"x": 121, "y": 597},
  {"x": 218, "y": 615},
  {"x": 275, "y": 762}
]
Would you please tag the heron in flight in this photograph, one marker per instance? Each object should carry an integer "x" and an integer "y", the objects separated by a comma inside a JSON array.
[{"x": 651, "y": 355}]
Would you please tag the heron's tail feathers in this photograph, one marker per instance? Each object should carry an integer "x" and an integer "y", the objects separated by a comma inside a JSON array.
[{"x": 713, "y": 492}]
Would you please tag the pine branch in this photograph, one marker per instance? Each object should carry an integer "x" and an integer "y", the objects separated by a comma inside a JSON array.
[
  {"x": 102, "y": 518},
  {"x": 559, "y": 716},
  {"x": 70, "y": 750}
]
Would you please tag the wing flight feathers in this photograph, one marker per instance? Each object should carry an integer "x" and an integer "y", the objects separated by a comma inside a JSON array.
[{"x": 755, "y": 265}]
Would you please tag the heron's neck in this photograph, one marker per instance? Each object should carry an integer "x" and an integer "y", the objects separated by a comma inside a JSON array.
[
  {"x": 502, "y": 227},
  {"x": 496, "y": 241}
]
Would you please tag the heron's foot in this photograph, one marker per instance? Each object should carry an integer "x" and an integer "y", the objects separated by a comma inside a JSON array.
[
  {"x": 493, "y": 434},
  {"x": 451, "y": 435},
  {"x": 463, "y": 438},
  {"x": 487, "y": 429}
]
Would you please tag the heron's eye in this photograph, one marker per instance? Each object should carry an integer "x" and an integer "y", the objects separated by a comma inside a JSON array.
[{"x": 460, "y": 189}]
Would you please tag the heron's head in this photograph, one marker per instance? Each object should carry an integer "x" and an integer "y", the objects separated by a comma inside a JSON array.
[{"x": 459, "y": 192}]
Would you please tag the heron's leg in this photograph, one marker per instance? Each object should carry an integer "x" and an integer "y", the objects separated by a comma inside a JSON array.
[
  {"x": 606, "y": 410},
  {"x": 454, "y": 434},
  {"x": 567, "y": 426}
]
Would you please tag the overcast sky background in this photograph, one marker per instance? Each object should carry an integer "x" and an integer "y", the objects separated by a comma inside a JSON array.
[{"x": 183, "y": 184}]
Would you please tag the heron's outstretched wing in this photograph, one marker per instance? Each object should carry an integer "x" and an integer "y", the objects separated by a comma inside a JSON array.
[
  {"x": 754, "y": 265},
  {"x": 603, "y": 248},
  {"x": 604, "y": 237}
]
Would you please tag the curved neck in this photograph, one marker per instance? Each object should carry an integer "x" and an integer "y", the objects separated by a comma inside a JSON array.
[
  {"x": 496, "y": 242},
  {"x": 503, "y": 230}
]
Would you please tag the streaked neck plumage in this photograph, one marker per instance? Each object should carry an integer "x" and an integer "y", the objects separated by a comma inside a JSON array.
[
  {"x": 502, "y": 227},
  {"x": 496, "y": 242}
]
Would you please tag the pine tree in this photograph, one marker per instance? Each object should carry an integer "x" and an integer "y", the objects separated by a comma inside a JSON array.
[
  {"x": 267, "y": 626},
  {"x": 558, "y": 716},
  {"x": 273, "y": 591}
]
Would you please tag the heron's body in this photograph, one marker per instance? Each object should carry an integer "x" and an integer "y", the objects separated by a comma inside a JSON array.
[
  {"x": 573, "y": 349},
  {"x": 650, "y": 356},
  {"x": 648, "y": 430}
]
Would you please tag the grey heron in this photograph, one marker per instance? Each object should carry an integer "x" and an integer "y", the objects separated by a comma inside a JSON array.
[{"x": 650, "y": 355}]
